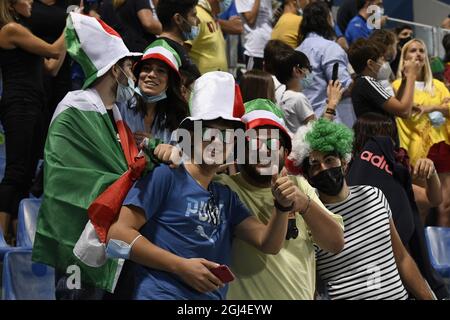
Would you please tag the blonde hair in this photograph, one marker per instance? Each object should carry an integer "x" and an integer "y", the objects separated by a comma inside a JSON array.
[
  {"x": 6, "y": 16},
  {"x": 118, "y": 3},
  {"x": 428, "y": 75}
]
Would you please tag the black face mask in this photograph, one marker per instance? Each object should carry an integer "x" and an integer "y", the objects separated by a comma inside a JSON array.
[
  {"x": 329, "y": 182},
  {"x": 402, "y": 42}
]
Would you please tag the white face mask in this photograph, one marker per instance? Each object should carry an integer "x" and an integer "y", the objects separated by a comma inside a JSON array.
[
  {"x": 124, "y": 93},
  {"x": 385, "y": 72}
]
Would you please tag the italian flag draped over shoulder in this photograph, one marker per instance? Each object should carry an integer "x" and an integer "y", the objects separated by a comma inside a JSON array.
[{"x": 83, "y": 157}]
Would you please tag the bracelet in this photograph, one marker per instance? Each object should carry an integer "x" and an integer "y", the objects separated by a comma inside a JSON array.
[
  {"x": 281, "y": 208},
  {"x": 302, "y": 213}
]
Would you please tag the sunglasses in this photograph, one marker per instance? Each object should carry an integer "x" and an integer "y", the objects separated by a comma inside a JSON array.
[{"x": 258, "y": 143}]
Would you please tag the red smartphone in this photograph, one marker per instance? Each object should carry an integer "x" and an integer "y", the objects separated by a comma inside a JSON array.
[{"x": 223, "y": 273}]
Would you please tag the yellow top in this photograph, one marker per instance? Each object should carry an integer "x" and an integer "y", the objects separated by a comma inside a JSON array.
[
  {"x": 286, "y": 29},
  {"x": 289, "y": 275},
  {"x": 417, "y": 135},
  {"x": 209, "y": 49}
]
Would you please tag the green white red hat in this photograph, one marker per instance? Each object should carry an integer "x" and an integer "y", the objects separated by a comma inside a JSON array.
[
  {"x": 263, "y": 112},
  {"x": 160, "y": 50},
  {"x": 215, "y": 96},
  {"x": 94, "y": 45}
]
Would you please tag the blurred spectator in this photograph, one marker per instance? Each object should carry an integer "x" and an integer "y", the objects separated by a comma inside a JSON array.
[
  {"x": 257, "y": 84},
  {"x": 292, "y": 68},
  {"x": 270, "y": 52},
  {"x": 386, "y": 39},
  {"x": 232, "y": 27},
  {"x": 323, "y": 53},
  {"x": 229, "y": 19},
  {"x": 426, "y": 134},
  {"x": 288, "y": 26},
  {"x": 23, "y": 102},
  {"x": 179, "y": 23},
  {"x": 446, "y": 45},
  {"x": 257, "y": 16},
  {"x": 134, "y": 21},
  {"x": 404, "y": 34},
  {"x": 446, "y": 23},
  {"x": 368, "y": 95},
  {"x": 47, "y": 21},
  {"x": 346, "y": 12},
  {"x": 158, "y": 107},
  {"x": 361, "y": 26},
  {"x": 208, "y": 48},
  {"x": 374, "y": 140}
]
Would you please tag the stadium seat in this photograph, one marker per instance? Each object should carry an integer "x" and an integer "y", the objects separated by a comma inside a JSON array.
[
  {"x": 26, "y": 280},
  {"x": 2, "y": 158},
  {"x": 4, "y": 247},
  {"x": 438, "y": 242},
  {"x": 26, "y": 225}
]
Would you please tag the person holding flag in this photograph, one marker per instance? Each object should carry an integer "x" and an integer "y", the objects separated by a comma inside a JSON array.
[{"x": 89, "y": 149}]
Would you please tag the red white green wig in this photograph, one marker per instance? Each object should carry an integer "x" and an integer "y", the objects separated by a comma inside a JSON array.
[{"x": 323, "y": 136}]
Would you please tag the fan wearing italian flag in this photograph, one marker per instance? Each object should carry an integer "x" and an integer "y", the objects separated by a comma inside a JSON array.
[{"x": 90, "y": 160}]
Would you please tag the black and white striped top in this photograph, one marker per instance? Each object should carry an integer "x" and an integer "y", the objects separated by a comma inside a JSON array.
[{"x": 366, "y": 268}]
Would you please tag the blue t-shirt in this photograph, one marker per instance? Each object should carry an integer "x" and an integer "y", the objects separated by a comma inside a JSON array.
[
  {"x": 177, "y": 221},
  {"x": 356, "y": 29},
  {"x": 231, "y": 12}
]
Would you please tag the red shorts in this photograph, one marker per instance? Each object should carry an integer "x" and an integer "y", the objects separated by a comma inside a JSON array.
[{"x": 440, "y": 155}]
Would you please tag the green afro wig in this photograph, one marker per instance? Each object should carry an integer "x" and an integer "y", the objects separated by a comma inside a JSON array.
[
  {"x": 323, "y": 136},
  {"x": 327, "y": 136}
]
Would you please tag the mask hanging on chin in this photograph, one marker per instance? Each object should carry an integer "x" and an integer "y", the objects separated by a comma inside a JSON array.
[
  {"x": 125, "y": 93},
  {"x": 192, "y": 33},
  {"x": 151, "y": 99}
]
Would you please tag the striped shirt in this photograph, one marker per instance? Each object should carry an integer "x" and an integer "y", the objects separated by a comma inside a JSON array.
[{"x": 366, "y": 268}]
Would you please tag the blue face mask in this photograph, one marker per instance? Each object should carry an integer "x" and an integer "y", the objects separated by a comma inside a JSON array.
[
  {"x": 437, "y": 119},
  {"x": 151, "y": 99},
  {"x": 307, "y": 81},
  {"x": 125, "y": 93},
  {"x": 224, "y": 5},
  {"x": 192, "y": 33},
  {"x": 118, "y": 249}
]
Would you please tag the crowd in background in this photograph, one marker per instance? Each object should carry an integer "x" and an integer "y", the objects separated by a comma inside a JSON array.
[{"x": 364, "y": 115}]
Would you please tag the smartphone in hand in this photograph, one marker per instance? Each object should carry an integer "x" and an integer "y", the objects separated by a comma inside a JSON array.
[
  {"x": 335, "y": 72},
  {"x": 223, "y": 273}
]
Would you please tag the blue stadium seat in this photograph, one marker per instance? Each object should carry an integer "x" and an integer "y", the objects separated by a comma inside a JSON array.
[
  {"x": 25, "y": 280},
  {"x": 438, "y": 242},
  {"x": 26, "y": 225},
  {"x": 2, "y": 158},
  {"x": 4, "y": 247}
]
